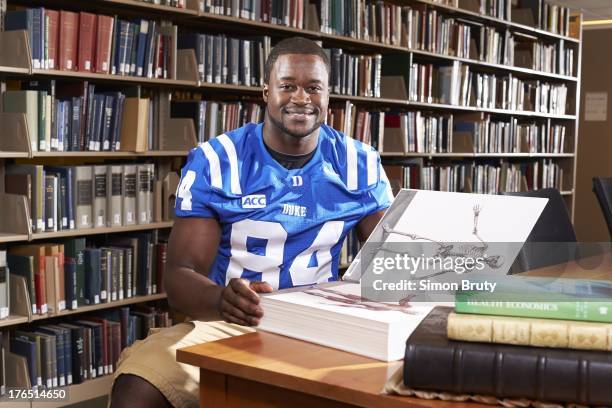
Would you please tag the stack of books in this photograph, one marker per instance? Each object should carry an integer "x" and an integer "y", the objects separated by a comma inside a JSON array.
[{"x": 543, "y": 339}]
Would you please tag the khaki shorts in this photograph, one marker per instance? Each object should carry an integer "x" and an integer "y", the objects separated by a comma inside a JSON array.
[{"x": 154, "y": 358}]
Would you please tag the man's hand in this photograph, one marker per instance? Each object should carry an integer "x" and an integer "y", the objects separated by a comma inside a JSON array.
[{"x": 239, "y": 302}]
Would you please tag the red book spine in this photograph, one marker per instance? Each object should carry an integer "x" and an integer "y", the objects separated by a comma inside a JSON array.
[
  {"x": 103, "y": 44},
  {"x": 69, "y": 22},
  {"x": 162, "y": 251},
  {"x": 87, "y": 30},
  {"x": 53, "y": 34}
]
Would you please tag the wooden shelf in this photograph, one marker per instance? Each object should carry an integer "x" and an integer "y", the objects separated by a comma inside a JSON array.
[
  {"x": 527, "y": 72},
  {"x": 87, "y": 390},
  {"x": 486, "y": 110},
  {"x": 108, "y": 77},
  {"x": 102, "y": 230},
  {"x": 12, "y": 237},
  {"x": 150, "y": 6},
  {"x": 102, "y": 306},
  {"x": 483, "y": 155},
  {"x": 13, "y": 155},
  {"x": 13, "y": 320},
  {"x": 118, "y": 154},
  {"x": 14, "y": 70}
]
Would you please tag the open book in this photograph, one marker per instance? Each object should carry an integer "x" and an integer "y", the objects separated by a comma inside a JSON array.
[{"x": 352, "y": 316}]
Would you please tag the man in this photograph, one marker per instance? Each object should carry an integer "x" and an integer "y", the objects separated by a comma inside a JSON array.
[{"x": 260, "y": 208}]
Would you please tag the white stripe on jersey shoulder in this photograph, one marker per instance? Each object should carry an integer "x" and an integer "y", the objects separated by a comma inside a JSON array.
[
  {"x": 230, "y": 150},
  {"x": 351, "y": 164},
  {"x": 372, "y": 163},
  {"x": 215, "y": 164}
]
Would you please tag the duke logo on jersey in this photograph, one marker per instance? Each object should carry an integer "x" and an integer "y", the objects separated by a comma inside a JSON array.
[{"x": 281, "y": 226}]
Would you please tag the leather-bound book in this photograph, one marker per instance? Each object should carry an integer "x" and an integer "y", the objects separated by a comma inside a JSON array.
[{"x": 433, "y": 362}]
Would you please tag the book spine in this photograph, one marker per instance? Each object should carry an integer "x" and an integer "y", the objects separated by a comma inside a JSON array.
[
  {"x": 466, "y": 368},
  {"x": 530, "y": 332},
  {"x": 593, "y": 311},
  {"x": 52, "y": 37},
  {"x": 103, "y": 45},
  {"x": 87, "y": 30},
  {"x": 68, "y": 40}
]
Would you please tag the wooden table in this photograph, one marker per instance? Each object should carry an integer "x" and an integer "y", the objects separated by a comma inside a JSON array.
[{"x": 267, "y": 370}]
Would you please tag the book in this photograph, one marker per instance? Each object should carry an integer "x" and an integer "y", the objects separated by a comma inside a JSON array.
[
  {"x": 539, "y": 297},
  {"x": 27, "y": 347},
  {"x": 114, "y": 182},
  {"x": 77, "y": 352},
  {"x": 23, "y": 265},
  {"x": 37, "y": 253},
  {"x": 75, "y": 255},
  {"x": 83, "y": 196},
  {"x": 4, "y": 285},
  {"x": 68, "y": 45},
  {"x": 530, "y": 331},
  {"x": 86, "y": 41},
  {"x": 505, "y": 371},
  {"x": 99, "y": 196},
  {"x": 374, "y": 329},
  {"x": 144, "y": 201},
  {"x": 129, "y": 193}
]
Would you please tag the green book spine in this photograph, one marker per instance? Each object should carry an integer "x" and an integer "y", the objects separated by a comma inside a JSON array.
[{"x": 591, "y": 311}]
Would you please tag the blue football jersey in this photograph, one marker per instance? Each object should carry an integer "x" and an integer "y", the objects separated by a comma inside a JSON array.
[{"x": 285, "y": 227}]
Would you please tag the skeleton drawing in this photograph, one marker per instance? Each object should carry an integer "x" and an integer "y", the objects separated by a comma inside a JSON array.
[{"x": 455, "y": 250}]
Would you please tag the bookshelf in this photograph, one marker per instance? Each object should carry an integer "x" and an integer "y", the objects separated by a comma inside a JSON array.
[{"x": 195, "y": 18}]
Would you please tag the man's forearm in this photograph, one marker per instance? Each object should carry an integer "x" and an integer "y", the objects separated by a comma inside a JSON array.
[{"x": 192, "y": 293}]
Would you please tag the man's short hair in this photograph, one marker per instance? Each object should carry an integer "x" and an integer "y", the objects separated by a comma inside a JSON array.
[{"x": 294, "y": 45}]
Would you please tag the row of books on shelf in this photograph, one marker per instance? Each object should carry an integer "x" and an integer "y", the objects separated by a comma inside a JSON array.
[
  {"x": 459, "y": 85},
  {"x": 430, "y": 30},
  {"x": 227, "y": 60},
  {"x": 81, "y": 116},
  {"x": 391, "y": 24},
  {"x": 301, "y": 14},
  {"x": 83, "y": 348},
  {"x": 146, "y": 48},
  {"x": 86, "y": 42},
  {"x": 68, "y": 116},
  {"x": 476, "y": 178},
  {"x": 427, "y": 132},
  {"x": 74, "y": 273},
  {"x": 212, "y": 118},
  {"x": 76, "y": 197},
  {"x": 171, "y": 3}
]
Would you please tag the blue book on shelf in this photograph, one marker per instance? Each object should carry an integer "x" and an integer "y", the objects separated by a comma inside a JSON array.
[
  {"x": 25, "y": 347},
  {"x": 143, "y": 32},
  {"x": 92, "y": 276}
]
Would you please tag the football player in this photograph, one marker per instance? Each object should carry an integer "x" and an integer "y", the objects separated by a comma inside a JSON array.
[{"x": 259, "y": 208}]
